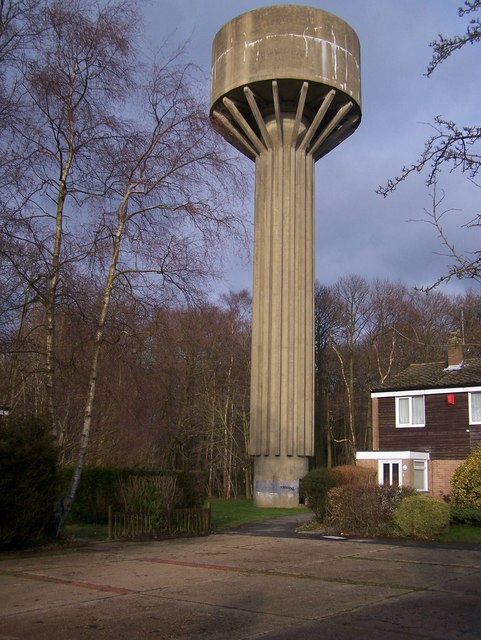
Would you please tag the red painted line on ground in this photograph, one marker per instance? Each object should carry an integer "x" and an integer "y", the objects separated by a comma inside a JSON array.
[{"x": 72, "y": 583}]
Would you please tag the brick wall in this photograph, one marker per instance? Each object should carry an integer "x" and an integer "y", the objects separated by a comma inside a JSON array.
[{"x": 440, "y": 474}]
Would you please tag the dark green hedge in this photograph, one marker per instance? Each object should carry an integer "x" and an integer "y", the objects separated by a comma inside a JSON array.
[
  {"x": 461, "y": 514},
  {"x": 314, "y": 489},
  {"x": 193, "y": 485},
  {"x": 98, "y": 489},
  {"x": 29, "y": 485}
]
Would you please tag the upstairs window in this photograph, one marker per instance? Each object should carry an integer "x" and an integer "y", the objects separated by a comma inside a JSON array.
[
  {"x": 475, "y": 408},
  {"x": 410, "y": 411}
]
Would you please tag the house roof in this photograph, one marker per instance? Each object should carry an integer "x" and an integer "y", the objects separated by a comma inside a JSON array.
[{"x": 434, "y": 375}]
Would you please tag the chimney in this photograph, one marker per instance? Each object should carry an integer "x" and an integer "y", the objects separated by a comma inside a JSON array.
[{"x": 455, "y": 350}]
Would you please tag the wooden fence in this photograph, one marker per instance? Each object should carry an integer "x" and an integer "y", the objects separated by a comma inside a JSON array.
[
  {"x": 190, "y": 522},
  {"x": 179, "y": 522}
]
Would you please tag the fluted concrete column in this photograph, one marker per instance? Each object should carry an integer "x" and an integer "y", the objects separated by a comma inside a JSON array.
[
  {"x": 285, "y": 91},
  {"x": 282, "y": 373}
]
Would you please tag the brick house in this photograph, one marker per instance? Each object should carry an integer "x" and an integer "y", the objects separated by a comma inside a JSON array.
[{"x": 426, "y": 419}]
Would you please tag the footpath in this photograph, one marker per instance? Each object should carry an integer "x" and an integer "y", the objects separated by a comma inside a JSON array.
[{"x": 261, "y": 581}]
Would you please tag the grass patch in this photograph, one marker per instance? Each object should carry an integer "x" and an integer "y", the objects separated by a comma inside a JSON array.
[
  {"x": 462, "y": 533},
  {"x": 227, "y": 514}
]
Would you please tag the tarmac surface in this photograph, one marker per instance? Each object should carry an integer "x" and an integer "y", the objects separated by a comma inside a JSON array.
[{"x": 261, "y": 581}]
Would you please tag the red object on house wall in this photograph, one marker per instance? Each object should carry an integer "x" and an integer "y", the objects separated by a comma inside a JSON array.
[{"x": 450, "y": 398}]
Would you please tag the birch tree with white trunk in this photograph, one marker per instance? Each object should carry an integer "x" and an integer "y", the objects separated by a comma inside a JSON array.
[{"x": 113, "y": 172}]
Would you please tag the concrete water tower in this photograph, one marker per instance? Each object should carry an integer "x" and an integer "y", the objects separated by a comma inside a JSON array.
[{"x": 285, "y": 91}]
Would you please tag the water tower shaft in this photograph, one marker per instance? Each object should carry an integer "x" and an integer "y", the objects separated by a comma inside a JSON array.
[{"x": 285, "y": 91}]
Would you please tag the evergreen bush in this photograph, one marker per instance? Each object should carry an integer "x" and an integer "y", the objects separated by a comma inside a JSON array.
[
  {"x": 97, "y": 491},
  {"x": 314, "y": 488},
  {"x": 193, "y": 487},
  {"x": 461, "y": 514},
  {"x": 99, "y": 488},
  {"x": 421, "y": 516},
  {"x": 466, "y": 481},
  {"x": 29, "y": 484},
  {"x": 155, "y": 495}
]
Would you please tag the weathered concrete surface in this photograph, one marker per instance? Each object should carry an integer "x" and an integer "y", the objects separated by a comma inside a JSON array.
[
  {"x": 291, "y": 44},
  {"x": 285, "y": 90},
  {"x": 260, "y": 582}
]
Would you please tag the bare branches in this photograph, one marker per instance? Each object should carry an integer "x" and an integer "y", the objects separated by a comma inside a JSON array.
[
  {"x": 465, "y": 265},
  {"x": 18, "y": 27},
  {"x": 444, "y": 47},
  {"x": 110, "y": 174},
  {"x": 458, "y": 148},
  {"x": 452, "y": 147}
]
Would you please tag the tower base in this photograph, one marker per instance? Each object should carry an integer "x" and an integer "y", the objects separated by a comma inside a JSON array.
[{"x": 276, "y": 480}]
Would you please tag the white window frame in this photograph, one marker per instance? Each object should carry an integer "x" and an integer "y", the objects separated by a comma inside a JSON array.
[
  {"x": 471, "y": 419},
  {"x": 398, "y": 456},
  {"x": 425, "y": 488},
  {"x": 390, "y": 462},
  {"x": 410, "y": 425}
]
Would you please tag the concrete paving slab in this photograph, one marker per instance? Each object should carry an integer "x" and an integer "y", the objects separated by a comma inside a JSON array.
[
  {"x": 468, "y": 584},
  {"x": 19, "y": 595},
  {"x": 142, "y": 617},
  {"x": 402, "y": 551},
  {"x": 375, "y": 571},
  {"x": 281, "y": 595},
  {"x": 409, "y": 618},
  {"x": 435, "y": 615},
  {"x": 244, "y": 587}
]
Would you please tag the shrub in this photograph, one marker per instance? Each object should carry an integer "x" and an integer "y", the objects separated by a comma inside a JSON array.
[
  {"x": 422, "y": 516},
  {"x": 193, "y": 486},
  {"x": 99, "y": 488},
  {"x": 314, "y": 488},
  {"x": 155, "y": 495},
  {"x": 29, "y": 486},
  {"x": 352, "y": 474},
  {"x": 96, "y": 491},
  {"x": 466, "y": 481},
  {"x": 363, "y": 510},
  {"x": 461, "y": 514}
]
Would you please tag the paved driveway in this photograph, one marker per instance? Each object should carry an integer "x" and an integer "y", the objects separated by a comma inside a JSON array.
[{"x": 258, "y": 582}]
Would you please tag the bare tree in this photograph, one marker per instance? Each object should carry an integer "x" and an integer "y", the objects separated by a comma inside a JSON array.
[
  {"x": 233, "y": 399},
  {"x": 17, "y": 28},
  {"x": 324, "y": 326},
  {"x": 114, "y": 175},
  {"x": 388, "y": 303},
  {"x": 167, "y": 185},
  {"x": 352, "y": 319},
  {"x": 453, "y": 147},
  {"x": 72, "y": 72}
]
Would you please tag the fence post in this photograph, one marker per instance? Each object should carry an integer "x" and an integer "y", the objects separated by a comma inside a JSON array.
[{"x": 195, "y": 521}]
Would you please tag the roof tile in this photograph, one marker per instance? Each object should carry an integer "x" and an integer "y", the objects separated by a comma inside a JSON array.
[{"x": 434, "y": 375}]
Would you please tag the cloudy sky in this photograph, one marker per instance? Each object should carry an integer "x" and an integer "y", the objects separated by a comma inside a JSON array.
[{"x": 358, "y": 231}]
